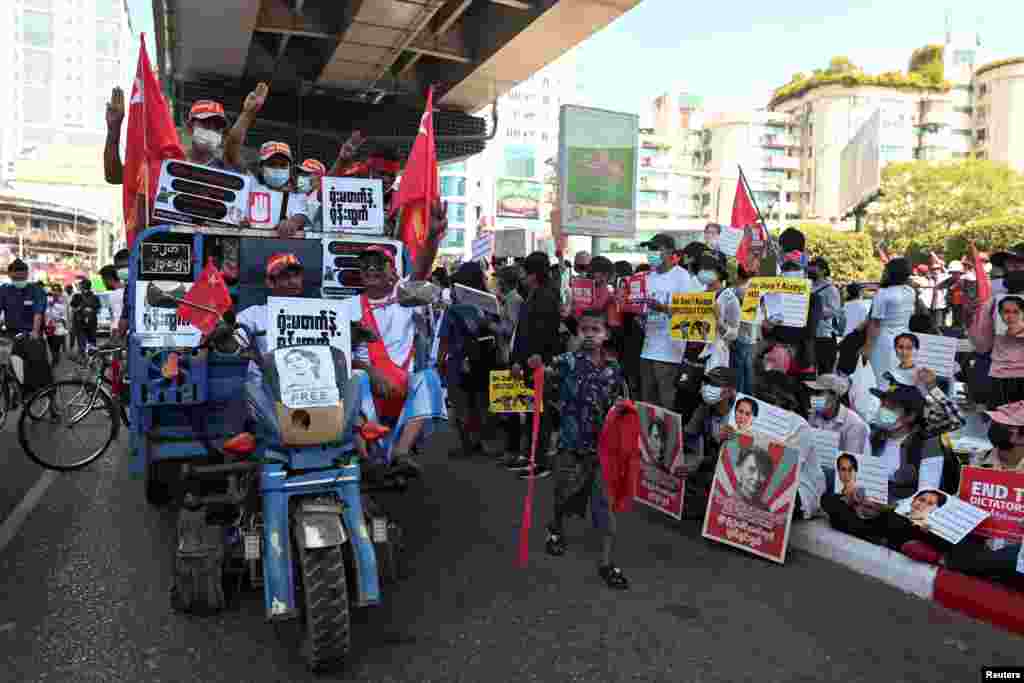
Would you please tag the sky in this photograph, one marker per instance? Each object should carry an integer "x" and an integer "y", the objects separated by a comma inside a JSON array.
[{"x": 735, "y": 53}]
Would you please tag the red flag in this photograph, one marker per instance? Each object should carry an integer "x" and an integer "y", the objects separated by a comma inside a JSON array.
[
  {"x": 744, "y": 217},
  {"x": 524, "y": 529},
  {"x": 419, "y": 187},
  {"x": 150, "y": 138},
  {"x": 743, "y": 211},
  {"x": 211, "y": 292}
]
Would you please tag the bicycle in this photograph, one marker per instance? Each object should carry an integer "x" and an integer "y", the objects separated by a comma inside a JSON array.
[
  {"x": 90, "y": 394},
  {"x": 12, "y": 390}
]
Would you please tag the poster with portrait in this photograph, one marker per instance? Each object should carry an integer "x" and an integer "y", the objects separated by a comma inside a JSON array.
[
  {"x": 749, "y": 414},
  {"x": 661, "y": 451},
  {"x": 864, "y": 473},
  {"x": 295, "y": 321},
  {"x": 941, "y": 514},
  {"x": 1009, "y": 315},
  {"x": 694, "y": 317},
  {"x": 1001, "y": 493},
  {"x": 752, "y": 496},
  {"x": 306, "y": 377},
  {"x": 160, "y": 326}
]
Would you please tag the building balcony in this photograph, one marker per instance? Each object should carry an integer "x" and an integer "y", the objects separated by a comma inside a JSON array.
[
  {"x": 788, "y": 163},
  {"x": 779, "y": 141}
]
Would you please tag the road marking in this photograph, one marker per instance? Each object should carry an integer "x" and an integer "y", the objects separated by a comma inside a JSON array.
[{"x": 18, "y": 516}]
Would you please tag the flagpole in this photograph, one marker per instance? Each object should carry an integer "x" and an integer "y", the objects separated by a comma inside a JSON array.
[{"x": 767, "y": 235}]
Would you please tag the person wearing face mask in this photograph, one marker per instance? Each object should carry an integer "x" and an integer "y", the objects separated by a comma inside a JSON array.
[
  {"x": 23, "y": 306},
  {"x": 274, "y": 175},
  {"x": 661, "y": 355},
  {"x": 829, "y": 411},
  {"x": 712, "y": 236},
  {"x": 705, "y": 432},
  {"x": 897, "y": 437},
  {"x": 714, "y": 276},
  {"x": 992, "y": 557},
  {"x": 891, "y": 310},
  {"x": 1006, "y": 370},
  {"x": 308, "y": 178}
]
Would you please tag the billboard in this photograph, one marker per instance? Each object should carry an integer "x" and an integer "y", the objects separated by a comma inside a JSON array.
[
  {"x": 860, "y": 164},
  {"x": 518, "y": 198},
  {"x": 597, "y": 156}
]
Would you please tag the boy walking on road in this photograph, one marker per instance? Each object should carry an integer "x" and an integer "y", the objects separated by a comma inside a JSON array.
[{"x": 588, "y": 384}]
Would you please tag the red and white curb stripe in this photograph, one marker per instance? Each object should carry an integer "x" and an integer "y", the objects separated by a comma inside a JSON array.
[{"x": 975, "y": 597}]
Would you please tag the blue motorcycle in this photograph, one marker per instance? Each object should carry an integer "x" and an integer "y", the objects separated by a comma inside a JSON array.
[{"x": 296, "y": 521}]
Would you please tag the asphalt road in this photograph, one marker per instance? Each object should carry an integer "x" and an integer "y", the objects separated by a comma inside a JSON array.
[{"x": 84, "y": 588}]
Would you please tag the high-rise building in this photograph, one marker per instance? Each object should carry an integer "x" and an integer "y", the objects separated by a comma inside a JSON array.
[{"x": 57, "y": 67}]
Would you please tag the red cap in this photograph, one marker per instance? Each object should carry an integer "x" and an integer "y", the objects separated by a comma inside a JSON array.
[
  {"x": 207, "y": 109},
  {"x": 280, "y": 261},
  {"x": 314, "y": 166},
  {"x": 272, "y": 148}
]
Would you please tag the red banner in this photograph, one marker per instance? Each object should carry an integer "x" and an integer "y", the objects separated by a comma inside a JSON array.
[
  {"x": 582, "y": 294},
  {"x": 999, "y": 493}
]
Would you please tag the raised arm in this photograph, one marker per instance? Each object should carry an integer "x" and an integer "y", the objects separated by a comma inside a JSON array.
[
  {"x": 347, "y": 153},
  {"x": 113, "y": 170},
  {"x": 236, "y": 136}
]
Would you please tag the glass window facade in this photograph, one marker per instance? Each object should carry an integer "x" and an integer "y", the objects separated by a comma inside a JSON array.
[
  {"x": 453, "y": 186},
  {"x": 38, "y": 29}
]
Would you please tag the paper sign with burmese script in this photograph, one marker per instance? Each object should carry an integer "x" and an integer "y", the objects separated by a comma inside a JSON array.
[
  {"x": 794, "y": 295},
  {"x": 693, "y": 317}
]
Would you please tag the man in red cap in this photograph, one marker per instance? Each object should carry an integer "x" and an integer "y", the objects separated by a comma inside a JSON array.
[{"x": 284, "y": 274}]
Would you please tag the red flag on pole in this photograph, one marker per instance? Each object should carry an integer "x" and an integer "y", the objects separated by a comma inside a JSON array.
[
  {"x": 210, "y": 293},
  {"x": 524, "y": 529},
  {"x": 150, "y": 138},
  {"x": 744, "y": 215},
  {"x": 419, "y": 186}
]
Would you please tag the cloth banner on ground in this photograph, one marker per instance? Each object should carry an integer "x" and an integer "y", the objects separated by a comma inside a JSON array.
[
  {"x": 694, "y": 317},
  {"x": 752, "y": 496},
  {"x": 941, "y": 514},
  {"x": 510, "y": 395},
  {"x": 1001, "y": 494},
  {"x": 661, "y": 452},
  {"x": 795, "y": 297},
  {"x": 296, "y": 321}
]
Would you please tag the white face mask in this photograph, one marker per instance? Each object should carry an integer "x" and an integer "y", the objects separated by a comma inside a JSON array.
[
  {"x": 793, "y": 273},
  {"x": 276, "y": 177},
  {"x": 206, "y": 138},
  {"x": 122, "y": 274},
  {"x": 706, "y": 277},
  {"x": 711, "y": 394},
  {"x": 819, "y": 404}
]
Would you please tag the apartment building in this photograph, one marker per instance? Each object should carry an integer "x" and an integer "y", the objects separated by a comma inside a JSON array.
[{"x": 998, "y": 97}]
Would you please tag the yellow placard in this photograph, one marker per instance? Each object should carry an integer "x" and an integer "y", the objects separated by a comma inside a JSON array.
[
  {"x": 768, "y": 285},
  {"x": 508, "y": 395},
  {"x": 694, "y": 317}
]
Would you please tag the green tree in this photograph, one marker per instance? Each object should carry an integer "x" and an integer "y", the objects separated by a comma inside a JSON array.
[
  {"x": 841, "y": 65},
  {"x": 928, "y": 61},
  {"x": 924, "y": 203}
]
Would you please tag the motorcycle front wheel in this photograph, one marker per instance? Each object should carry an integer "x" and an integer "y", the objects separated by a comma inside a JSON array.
[{"x": 325, "y": 606}]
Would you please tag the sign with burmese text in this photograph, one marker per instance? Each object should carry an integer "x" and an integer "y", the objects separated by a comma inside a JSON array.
[
  {"x": 294, "y": 321},
  {"x": 353, "y": 205}
]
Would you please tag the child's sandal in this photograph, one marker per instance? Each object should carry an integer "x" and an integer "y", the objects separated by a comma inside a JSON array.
[{"x": 614, "y": 577}]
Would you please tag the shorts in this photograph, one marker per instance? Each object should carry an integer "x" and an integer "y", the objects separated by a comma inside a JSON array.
[{"x": 579, "y": 484}]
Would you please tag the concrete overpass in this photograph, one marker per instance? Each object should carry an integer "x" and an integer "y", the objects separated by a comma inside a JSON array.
[{"x": 341, "y": 65}]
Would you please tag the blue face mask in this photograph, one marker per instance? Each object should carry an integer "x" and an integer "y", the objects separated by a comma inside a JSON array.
[{"x": 276, "y": 177}]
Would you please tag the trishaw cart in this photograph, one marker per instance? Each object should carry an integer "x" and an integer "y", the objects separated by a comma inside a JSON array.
[{"x": 293, "y": 520}]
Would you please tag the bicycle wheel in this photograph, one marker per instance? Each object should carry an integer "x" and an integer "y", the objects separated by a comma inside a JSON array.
[{"x": 68, "y": 425}]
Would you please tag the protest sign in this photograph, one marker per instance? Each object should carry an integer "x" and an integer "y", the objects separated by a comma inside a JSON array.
[
  {"x": 1009, "y": 322},
  {"x": 929, "y": 473},
  {"x": 483, "y": 246},
  {"x": 165, "y": 260},
  {"x": 306, "y": 377},
  {"x": 582, "y": 290},
  {"x": 200, "y": 195},
  {"x": 937, "y": 353},
  {"x": 661, "y": 451},
  {"x": 295, "y": 321},
  {"x": 635, "y": 287},
  {"x": 353, "y": 205},
  {"x": 267, "y": 207},
  {"x": 825, "y": 444},
  {"x": 485, "y": 301},
  {"x": 161, "y": 326},
  {"x": 341, "y": 275},
  {"x": 748, "y": 414},
  {"x": 941, "y": 514},
  {"x": 694, "y": 317},
  {"x": 865, "y": 472},
  {"x": 730, "y": 240},
  {"x": 510, "y": 395},
  {"x": 752, "y": 496},
  {"x": 1001, "y": 494},
  {"x": 794, "y": 295},
  {"x": 597, "y": 171}
]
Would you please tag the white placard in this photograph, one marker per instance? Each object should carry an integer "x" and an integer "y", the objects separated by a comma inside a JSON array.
[
  {"x": 730, "y": 240},
  {"x": 483, "y": 246},
  {"x": 266, "y": 206},
  {"x": 353, "y": 205},
  {"x": 770, "y": 420},
  {"x": 825, "y": 444},
  {"x": 929, "y": 474},
  {"x": 196, "y": 194},
  {"x": 306, "y": 377},
  {"x": 486, "y": 302},
  {"x": 970, "y": 444},
  {"x": 870, "y": 475},
  {"x": 944, "y": 515},
  {"x": 937, "y": 353},
  {"x": 161, "y": 326},
  {"x": 295, "y": 321}
]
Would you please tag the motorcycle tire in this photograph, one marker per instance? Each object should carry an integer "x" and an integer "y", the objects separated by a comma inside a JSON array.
[
  {"x": 325, "y": 607},
  {"x": 198, "y": 565}
]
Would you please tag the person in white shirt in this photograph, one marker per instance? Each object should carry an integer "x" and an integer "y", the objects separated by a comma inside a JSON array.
[
  {"x": 284, "y": 274},
  {"x": 115, "y": 298},
  {"x": 273, "y": 202},
  {"x": 856, "y": 308},
  {"x": 661, "y": 355}
]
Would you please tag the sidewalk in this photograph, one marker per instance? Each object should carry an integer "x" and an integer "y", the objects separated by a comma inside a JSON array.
[{"x": 978, "y": 598}]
